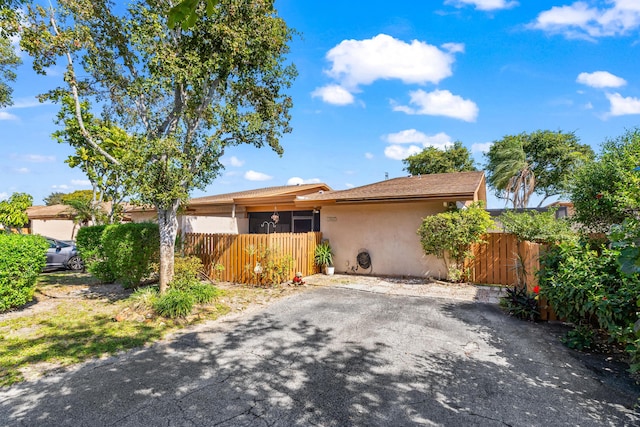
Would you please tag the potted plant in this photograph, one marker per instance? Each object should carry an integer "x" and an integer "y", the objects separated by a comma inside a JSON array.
[{"x": 324, "y": 257}]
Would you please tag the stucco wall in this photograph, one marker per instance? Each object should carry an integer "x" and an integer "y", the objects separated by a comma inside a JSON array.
[
  {"x": 214, "y": 224},
  {"x": 387, "y": 232},
  {"x": 61, "y": 229}
]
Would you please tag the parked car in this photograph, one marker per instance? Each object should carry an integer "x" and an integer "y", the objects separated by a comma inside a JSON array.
[{"x": 63, "y": 254}]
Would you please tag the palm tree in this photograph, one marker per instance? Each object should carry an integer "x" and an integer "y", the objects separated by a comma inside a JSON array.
[{"x": 510, "y": 172}]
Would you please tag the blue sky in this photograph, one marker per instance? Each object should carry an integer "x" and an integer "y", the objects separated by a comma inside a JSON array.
[{"x": 380, "y": 80}]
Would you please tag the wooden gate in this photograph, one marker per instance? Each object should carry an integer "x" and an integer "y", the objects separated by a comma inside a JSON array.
[{"x": 233, "y": 257}]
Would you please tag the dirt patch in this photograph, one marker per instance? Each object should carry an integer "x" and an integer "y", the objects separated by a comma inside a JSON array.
[{"x": 410, "y": 286}]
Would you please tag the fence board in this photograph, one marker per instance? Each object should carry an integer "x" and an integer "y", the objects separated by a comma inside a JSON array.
[
  {"x": 497, "y": 263},
  {"x": 238, "y": 253}
]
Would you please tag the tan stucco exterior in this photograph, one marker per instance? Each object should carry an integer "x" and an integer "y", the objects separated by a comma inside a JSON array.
[
  {"x": 388, "y": 231},
  {"x": 213, "y": 224},
  {"x": 61, "y": 229}
]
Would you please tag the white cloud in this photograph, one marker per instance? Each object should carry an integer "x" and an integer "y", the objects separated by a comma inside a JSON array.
[
  {"x": 600, "y": 79},
  {"x": 368, "y": 156},
  {"x": 621, "y": 106},
  {"x": 22, "y": 170},
  {"x": 294, "y": 180},
  {"x": 481, "y": 147},
  {"x": 349, "y": 185},
  {"x": 484, "y": 4},
  {"x": 411, "y": 136},
  {"x": 60, "y": 187},
  {"x": 580, "y": 20},
  {"x": 333, "y": 94},
  {"x": 235, "y": 162},
  {"x": 7, "y": 116},
  {"x": 396, "y": 151},
  {"x": 440, "y": 103},
  {"x": 256, "y": 176},
  {"x": 4, "y": 196},
  {"x": 29, "y": 102},
  {"x": 399, "y": 152},
  {"x": 362, "y": 62},
  {"x": 38, "y": 158},
  {"x": 588, "y": 106},
  {"x": 81, "y": 182}
]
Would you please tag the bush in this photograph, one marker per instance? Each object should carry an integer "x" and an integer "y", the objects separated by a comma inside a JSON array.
[
  {"x": 186, "y": 272},
  {"x": 585, "y": 286},
  {"x": 449, "y": 235},
  {"x": 271, "y": 269},
  {"x": 204, "y": 293},
  {"x": 22, "y": 258},
  {"x": 174, "y": 303},
  {"x": 91, "y": 250},
  {"x": 131, "y": 251},
  {"x": 520, "y": 303}
]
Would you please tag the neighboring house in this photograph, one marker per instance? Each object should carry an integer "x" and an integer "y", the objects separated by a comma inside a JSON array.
[
  {"x": 54, "y": 221},
  {"x": 382, "y": 220},
  {"x": 246, "y": 212}
]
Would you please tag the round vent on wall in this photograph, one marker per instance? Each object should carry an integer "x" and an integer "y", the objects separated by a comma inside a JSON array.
[{"x": 364, "y": 259}]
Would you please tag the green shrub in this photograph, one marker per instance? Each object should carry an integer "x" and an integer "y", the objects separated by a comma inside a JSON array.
[
  {"x": 449, "y": 235},
  {"x": 272, "y": 267},
  {"x": 22, "y": 258},
  {"x": 203, "y": 293},
  {"x": 91, "y": 250},
  {"x": 585, "y": 286},
  {"x": 520, "y": 303},
  {"x": 174, "y": 303},
  {"x": 131, "y": 251},
  {"x": 144, "y": 298},
  {"x": 186, "y": 272}
]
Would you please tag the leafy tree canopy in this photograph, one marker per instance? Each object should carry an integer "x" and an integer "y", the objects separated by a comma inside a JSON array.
[
  {"x": 449, "y": 235},
  {"x": 13, "y": 211},
  {"x": 534, "y": 226},
  {"x": 540, "y": 163},
  {"x": 54, "y": 198},
  {"x": 606, "y": 191},
  {"x": 81, "y": 195},
  {"x": 8, "y": 63},
  {"x": 9, "y": 60},
  {"x": 456, "y": 158},
  {"x": 181, "y": 96}
]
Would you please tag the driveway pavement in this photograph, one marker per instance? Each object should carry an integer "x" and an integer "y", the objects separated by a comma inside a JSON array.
[{"x": 338, "y": 357}]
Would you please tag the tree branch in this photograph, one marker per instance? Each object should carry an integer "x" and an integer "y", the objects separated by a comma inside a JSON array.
[{"x": 76, "y": 98}]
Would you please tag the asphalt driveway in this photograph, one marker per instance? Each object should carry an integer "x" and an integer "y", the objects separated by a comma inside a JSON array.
[{"x": 339, "y": 357}]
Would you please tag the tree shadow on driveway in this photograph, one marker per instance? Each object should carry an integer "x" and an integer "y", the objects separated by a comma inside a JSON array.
[{"x": 334, "y": 358}]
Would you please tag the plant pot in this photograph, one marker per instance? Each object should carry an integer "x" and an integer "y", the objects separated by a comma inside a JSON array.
[{"x": 329, "y": 270}]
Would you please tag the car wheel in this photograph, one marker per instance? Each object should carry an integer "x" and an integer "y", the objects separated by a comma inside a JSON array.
[{"x": 75, "y": 263}]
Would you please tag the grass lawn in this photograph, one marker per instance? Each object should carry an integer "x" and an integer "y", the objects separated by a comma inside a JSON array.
[{"x": 76, "y": 318}]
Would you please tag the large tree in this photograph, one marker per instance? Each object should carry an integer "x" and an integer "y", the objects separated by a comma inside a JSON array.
[
  {"x": 109, "y": 181},
  {"x": 606, "y": 191},
  {"x": 540, "y": 162},
  {"x": 456, "y": 158},
  {"x": 13, "y": 211},
  {"x": 182, "y": 96},
  {"x": 9, "y": 60}
]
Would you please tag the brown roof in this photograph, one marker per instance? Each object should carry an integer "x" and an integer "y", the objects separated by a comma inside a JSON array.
[
  {"x": 49, "y": 212},
  {"x": 435, "y": 186},
  {"x": 260, "y": 193},
  {"x": 56, "y": 211}
]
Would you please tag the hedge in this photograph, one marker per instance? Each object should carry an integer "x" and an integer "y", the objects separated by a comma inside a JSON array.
[{"x": 22, "y": 259}]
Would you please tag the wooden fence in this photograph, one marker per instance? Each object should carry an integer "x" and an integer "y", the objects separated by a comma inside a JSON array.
[
  {"x": 233, "y": 257},
  {"x": 502, "y": 259}
]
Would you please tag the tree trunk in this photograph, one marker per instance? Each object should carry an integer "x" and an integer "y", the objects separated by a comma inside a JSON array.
[{"x": 168, "y": 225}]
